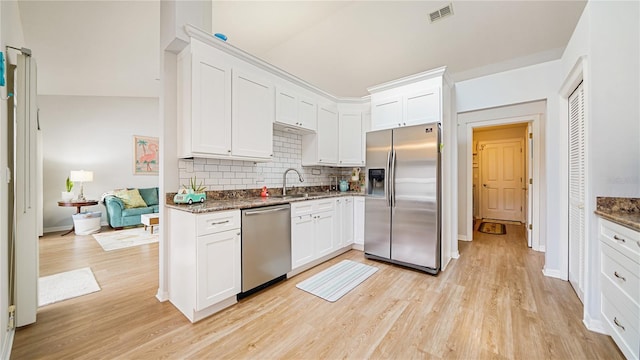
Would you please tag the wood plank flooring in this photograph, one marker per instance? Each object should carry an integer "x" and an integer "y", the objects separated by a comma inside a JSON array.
[{"x": 493, "y": 302}]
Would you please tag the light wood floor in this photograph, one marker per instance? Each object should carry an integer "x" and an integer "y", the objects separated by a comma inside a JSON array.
[{"x": 493, "y": 302}]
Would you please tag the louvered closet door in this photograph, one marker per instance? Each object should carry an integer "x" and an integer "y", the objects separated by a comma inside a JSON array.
[{"x": 577, "y": 191}]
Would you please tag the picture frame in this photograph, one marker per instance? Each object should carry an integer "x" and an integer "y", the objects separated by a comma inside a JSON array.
[{"x": 145, "y": 155}]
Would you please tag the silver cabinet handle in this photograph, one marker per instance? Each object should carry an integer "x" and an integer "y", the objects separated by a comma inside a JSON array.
[
  {"x": 615, "y": 273},
  {"x": 638, "y": 243},
  {"x": 219, "y": 222},
  {"x": 619, "y": 239},
  {"x": 615, "y": 321}
]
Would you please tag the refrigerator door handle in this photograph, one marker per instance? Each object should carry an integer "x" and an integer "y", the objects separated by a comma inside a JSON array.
[
  {"x": 392, "y": 180},
  {"x": 387, "y": 195}
]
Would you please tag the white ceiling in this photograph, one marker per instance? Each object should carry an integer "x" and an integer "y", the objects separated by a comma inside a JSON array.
[{"x": 111, "y": 47}]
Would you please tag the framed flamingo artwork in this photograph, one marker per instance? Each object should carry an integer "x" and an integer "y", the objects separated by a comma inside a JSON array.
[{"x": 145, "y": 152}]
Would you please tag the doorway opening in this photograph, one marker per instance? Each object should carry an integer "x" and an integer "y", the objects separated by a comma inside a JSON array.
[{"x": 501, "y": 172}]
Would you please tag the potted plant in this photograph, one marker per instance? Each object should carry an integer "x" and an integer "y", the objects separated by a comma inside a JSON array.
[
  {"x": 194, "y": 193},
  {"x": 68, "y": 195}
]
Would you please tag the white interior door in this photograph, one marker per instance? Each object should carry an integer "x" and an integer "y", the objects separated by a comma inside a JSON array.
[
  {"x": 502, "y": 179},
  {"x": 576, "y": 191},
  {"x": 528, "y": 181}
]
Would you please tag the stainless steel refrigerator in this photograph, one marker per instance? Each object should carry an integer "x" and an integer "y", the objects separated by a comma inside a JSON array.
[{"x": 402, "y": 203}]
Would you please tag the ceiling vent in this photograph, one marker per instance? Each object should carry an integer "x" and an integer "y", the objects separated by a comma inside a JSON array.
[{"x": 441, "y": 13}]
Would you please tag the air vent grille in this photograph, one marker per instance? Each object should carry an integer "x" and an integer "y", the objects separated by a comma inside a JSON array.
[{"x": 441, "y": 13}]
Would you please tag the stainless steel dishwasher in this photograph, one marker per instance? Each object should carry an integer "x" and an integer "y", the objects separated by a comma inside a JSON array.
[{"x": 266, "y": 247}]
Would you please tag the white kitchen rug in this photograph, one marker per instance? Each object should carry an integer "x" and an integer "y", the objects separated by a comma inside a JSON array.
[
  {"x": 66, "y": 285},
  {"x": 334, "y": 282},
  {"x": 120, "y": 239}
]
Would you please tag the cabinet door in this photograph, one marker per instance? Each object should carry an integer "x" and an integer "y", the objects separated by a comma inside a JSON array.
[
  {"x": 358, "y": 220},
  {"x": 339, "y": 222},
  {"x": 253, "y": 112},
  {"x": 324, "y": 230},
  {"x": 308, "y": 114},
  {"x": 422, "y": 107},
  {"x": 302, "y": 240},
  {"x": 350, "y": 146},
  {"x": 210, "y": 103},
  {"x": 218, "y": 268},
  {"x": 327, "y": 135},
  {"x": 347, "y": 221},
  {"x": 286, "y": 107},
  {"x": 386, "y": 113}
]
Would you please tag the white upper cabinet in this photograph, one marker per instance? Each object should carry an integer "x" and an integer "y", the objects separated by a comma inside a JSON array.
[
  {"x": 350, "y": 138},
  {"x": 293, "y": 109},
  {"x": 409, "y": 101},
  {"x": 322, "y": 148},
  {"x": 252, "y": 129},
  {"x": 204, "y": 104},
  {"x": 225, "y": 106},
  {"x": 386, "y": 112}
]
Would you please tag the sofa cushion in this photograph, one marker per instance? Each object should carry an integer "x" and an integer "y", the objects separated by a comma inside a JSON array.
[
  {"x": 131, "y": 198},
  {"x": 150, "y": 196},
  {"x": 137, "y": 211}
]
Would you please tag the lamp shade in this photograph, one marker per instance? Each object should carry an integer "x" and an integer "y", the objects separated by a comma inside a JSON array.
[{"x": 81, "y": 175}]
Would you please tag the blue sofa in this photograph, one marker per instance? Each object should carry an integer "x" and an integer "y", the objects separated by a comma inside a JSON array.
[{"x": 118, "y": 216}]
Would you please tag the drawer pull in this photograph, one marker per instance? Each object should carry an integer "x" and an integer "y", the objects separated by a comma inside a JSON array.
[
  {"x": 219, "y": 223},
  {"x": 638, "y": 243},
  {"x": 619, "y": 239},
  {"x": 615, "y": 321},
  {"x": 619, "y": 276}
]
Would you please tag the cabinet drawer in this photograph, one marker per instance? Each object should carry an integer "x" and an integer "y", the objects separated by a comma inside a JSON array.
[
  {"x": 623, "y": 331},
  {"x": 621, "y": 238},
  {"x": 621, "y": 271},
  {"x": 300, "y": 208},
  {"x": 324, "y": 205},
  {"x": 217, "y": 222}
]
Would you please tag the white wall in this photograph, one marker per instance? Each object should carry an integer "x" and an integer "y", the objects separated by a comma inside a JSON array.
[
  {"x": 92, "y": 133},
  {"x": 493, "y": 94},
  {"x": 10, "y": 34},
  {"x": 608, "y": 38}
]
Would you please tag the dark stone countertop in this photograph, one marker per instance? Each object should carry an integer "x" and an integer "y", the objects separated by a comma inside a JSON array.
[
  {"x": 622, "y": 211},
  {"x": 218, "y": 203}
]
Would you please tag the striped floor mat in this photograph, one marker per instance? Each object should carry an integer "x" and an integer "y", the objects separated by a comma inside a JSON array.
[{"x": 332, "y": 283}]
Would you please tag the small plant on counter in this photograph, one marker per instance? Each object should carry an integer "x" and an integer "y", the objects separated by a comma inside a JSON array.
[
  {"x": 192, "y": 193},
  {"x": 195, "y": 187}
]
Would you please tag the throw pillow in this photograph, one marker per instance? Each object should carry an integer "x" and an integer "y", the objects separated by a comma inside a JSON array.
[
  {"x": 131, "y": 198},
  {"x": 150, "y": 196}
]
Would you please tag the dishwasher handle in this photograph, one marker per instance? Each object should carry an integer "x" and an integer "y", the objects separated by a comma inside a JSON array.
[{"x": 256, "y": 212}]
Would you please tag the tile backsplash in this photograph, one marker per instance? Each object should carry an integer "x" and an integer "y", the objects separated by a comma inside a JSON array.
[{"x": 237, "y": 174}]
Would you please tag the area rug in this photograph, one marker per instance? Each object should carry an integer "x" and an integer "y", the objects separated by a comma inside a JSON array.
[
  {"x": 120, "y": 239},
  {"x": 492, "y": 228},
  {"x": 66, "y": 285},
  {"x": 334, "y": 282}
]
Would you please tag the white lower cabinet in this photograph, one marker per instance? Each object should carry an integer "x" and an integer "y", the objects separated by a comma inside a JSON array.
[
  {"x": 344, "y": 212},
  {"x": 302, "y": 239},
  {"x": 217, "y": 254},
  {"x": 204, "y": 261},
  {"x": 358, "y": 221},
  {"x": 620, "y": 285},
  {"x": 313, "y": 230}
]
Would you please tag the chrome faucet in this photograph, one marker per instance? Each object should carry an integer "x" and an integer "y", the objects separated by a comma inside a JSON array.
[{"x": 284, "y": 180}]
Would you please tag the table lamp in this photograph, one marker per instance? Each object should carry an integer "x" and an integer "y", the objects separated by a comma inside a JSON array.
[{"x": 81, "y": 176}]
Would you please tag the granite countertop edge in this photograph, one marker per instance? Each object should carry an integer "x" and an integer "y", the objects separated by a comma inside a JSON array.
[
  {"x": 626, "y": 219},
  {"x": 251, "y": 202}
]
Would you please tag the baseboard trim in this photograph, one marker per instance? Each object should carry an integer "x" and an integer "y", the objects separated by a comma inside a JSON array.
[
  {"x": 7, "y": 344},
  {"x": 462, "y": 237},
  {"x": 554, "y": 274},
  {"x": 595, "y": 325},
  {"x": 455, "y": 255},
  {"x": 359, "y": 247},
  {"x": 65, "y": 227},
  {"x": 162, "y": 296}
]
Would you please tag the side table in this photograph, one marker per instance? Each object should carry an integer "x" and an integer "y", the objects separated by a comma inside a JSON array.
[{"x": 78, "y": 205}]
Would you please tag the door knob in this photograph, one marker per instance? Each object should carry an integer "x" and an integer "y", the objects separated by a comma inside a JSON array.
[{"x": 485, "y": 185}]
